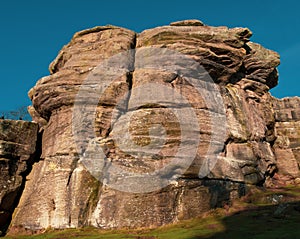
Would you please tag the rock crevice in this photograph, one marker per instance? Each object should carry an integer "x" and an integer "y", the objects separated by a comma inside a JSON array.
[{"x": 62, "y": 193}]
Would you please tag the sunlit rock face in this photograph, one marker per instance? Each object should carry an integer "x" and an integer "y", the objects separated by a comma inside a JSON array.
[
  {"x": 109, "y": 163},
  {"x": 287, "y": 144}
]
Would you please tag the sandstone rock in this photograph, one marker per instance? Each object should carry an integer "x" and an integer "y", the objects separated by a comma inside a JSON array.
[
  {"x": 53, "y": 97},
  {"x": 287, "y": 144},
  {"x": 93, "y": 153},
  {"x": 219, "y": 49},
  {"x": 18, "y": 151},
  {"x": 261, "y": 65},
  {"x": 74, "y": 62},
  {"x": 287, "y": 109},
  {"x": 187, "y": 23},
  {"x": 37, "y": 118}
]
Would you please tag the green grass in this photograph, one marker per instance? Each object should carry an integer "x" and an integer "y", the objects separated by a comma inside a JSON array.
[
  {"x": 187, "y": 229},
  {"x": 251, "y": 217}
]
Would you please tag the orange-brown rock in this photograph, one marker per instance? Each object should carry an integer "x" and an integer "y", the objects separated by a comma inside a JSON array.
[
  {"x": 232, "y": 124},
  {"x": 287, "y": 144}
]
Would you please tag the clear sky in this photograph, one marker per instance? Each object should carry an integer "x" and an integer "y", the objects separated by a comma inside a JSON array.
[{"x": 33, "y": 31}]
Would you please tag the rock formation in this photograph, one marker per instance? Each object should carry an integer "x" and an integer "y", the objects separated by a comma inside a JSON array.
[
  {"x": 18, "y": 140},
  {"x": 287, "y": 144},
  {"x": 63, "y": 191}
]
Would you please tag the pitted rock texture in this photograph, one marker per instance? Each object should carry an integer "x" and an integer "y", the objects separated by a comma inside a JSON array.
[
  {"x": 18, "y": 151},
  {"x": 62, "y": 193}
]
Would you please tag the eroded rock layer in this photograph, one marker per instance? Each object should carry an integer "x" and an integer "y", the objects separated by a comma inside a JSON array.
[{"x": 62, "y": 191}]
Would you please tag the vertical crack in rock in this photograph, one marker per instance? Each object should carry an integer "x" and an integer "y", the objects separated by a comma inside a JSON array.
[
  {"x": 73, "y": 167},
  {"x": 129, "y": 77},
  {"x": 62, "y": 192}
]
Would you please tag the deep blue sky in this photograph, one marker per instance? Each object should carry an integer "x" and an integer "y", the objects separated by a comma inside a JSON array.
[{"x": 32, "y": 32}]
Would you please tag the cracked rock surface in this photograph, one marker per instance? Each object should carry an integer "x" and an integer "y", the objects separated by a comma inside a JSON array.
[{"x": 62, "y": 193}]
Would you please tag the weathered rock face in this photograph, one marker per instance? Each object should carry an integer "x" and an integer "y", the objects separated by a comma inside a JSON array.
[
  {"x": 18, "y": 140},
  {"x": 61, "y": 192},
  {"x": 287, "y": 144}
]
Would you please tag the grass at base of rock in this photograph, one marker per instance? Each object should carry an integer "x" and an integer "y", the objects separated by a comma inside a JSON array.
[{"x": 262, "y": 214}]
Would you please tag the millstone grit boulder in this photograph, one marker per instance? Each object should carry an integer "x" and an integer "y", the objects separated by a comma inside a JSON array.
[{"x": 100, "y": 157}]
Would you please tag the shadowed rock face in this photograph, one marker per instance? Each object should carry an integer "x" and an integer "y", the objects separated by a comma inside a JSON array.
[
  {"x": 62, "y": 193},
  {"x": 18, "y": 140}
]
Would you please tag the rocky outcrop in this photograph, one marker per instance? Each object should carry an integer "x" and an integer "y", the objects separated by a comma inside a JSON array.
[
  {"x": 121, "y": 161},
  {"x": 287, "y": 144},
  {"x": 18, "y": 151}
]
